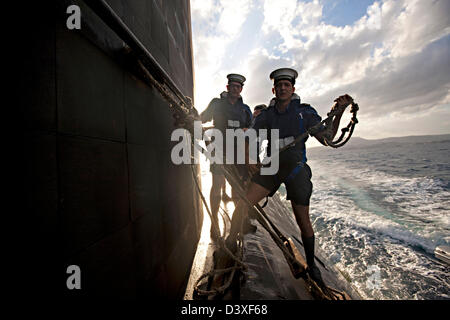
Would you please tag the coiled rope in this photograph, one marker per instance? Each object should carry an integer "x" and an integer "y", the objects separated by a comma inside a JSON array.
[
  {"x": 239, "y": 264},
  {"x": 327, "y": 122},
  {"x": 181, "y": 106},
  {"x": 185, "y": 114},
  {"x": 349, "y": 128}
]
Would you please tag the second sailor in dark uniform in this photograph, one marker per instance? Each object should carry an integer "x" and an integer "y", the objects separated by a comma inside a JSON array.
[{"x": 227, "y": 112}]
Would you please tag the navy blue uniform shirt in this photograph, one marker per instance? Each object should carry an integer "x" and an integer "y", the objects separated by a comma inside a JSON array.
[
  {"x": 294, "y": 121},
  {"x": 227, "y": 116}
]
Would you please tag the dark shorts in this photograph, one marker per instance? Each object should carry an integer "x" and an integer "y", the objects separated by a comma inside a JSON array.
[{"x": 297, "y": 181}]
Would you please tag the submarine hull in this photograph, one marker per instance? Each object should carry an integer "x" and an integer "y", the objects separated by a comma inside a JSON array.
[{"x": 101, "y": 192}]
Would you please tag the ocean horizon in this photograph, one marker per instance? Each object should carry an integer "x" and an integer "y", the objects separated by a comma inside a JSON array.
[{"x": 380, "y": 208}]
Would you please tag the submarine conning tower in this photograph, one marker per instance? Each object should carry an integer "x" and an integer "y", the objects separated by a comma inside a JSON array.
[{"x": 101, "y": 192}]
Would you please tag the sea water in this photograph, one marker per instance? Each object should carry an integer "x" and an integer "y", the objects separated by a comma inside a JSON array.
[{"x": 380, "y": 209}]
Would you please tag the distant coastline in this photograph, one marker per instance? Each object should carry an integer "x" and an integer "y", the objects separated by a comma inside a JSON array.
[
  {"x": 384, "y": 205},
  {"x": 357, "y": 142}
]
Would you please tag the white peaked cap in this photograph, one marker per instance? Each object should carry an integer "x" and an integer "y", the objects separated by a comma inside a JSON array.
[
  {"x": 284, "y": 74},
  {"x": 236, "y": 77}
]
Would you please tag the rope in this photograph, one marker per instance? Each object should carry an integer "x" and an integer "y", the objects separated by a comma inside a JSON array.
[
  {"x": 328, "y": 127},
  {"x": 239, "y": 264},
  {"x": 214, "y": 222},
  {"x": 184, "y": 114},
  {"x": 349, "y": 128},
  {"x": 321, "y": 292},
  {"x": 324, "y": 292}
]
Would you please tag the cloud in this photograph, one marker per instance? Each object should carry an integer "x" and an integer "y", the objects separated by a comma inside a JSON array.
[
  {"x": 394, "y": 60},
  {"x": 203, "y": 10},
  {"x": 233, "y": 16},
  {"x": 215, "y": 25}
]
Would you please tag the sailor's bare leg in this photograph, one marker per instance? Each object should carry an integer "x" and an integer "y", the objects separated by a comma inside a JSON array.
[
  {"x": 218, "y": 182},
  {"x": 225, "y": 196},
  {"x": 255, "y": 193}
]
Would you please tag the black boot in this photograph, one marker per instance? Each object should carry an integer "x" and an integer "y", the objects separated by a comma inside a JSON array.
[{"x": 313, "y": 270}]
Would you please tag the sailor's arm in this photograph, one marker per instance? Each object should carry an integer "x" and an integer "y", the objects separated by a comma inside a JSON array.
[
  {"x": 342, "y": 101},
  {"x": 207, "y": 114}
]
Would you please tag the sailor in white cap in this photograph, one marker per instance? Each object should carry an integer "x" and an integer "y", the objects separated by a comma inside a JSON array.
[
  {"x": 284, "y": 74},
  {"x": 292, "y": 118},
  {"x": 234, "y": 77},
  {"x": 227, "y": 112}
]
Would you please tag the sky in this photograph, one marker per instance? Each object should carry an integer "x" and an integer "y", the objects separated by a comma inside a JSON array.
[{"x": 391, "y": 56}]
